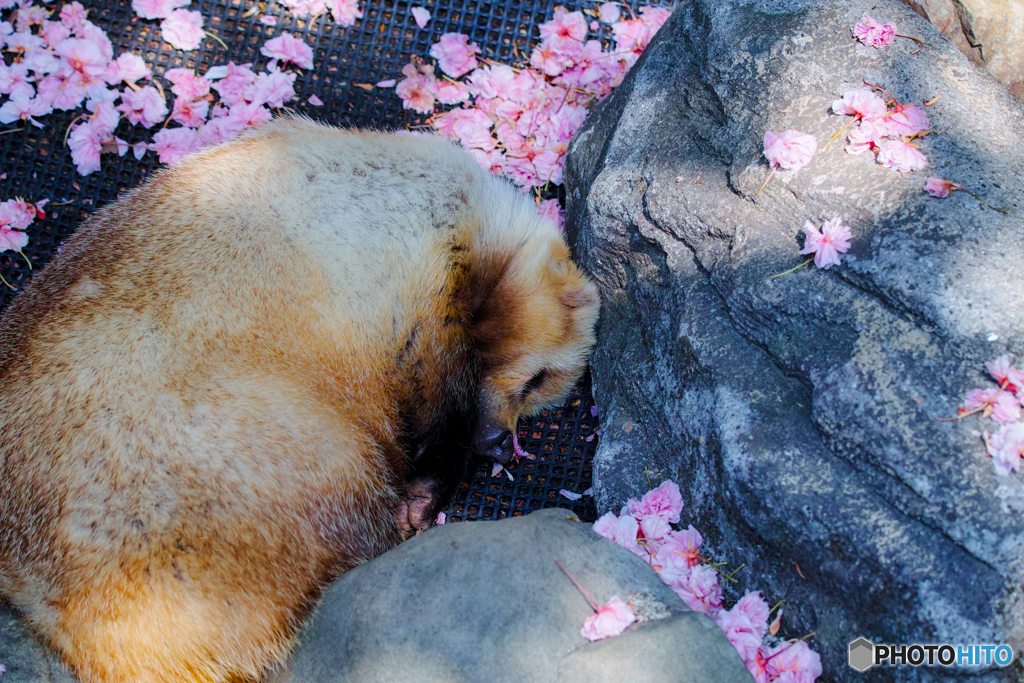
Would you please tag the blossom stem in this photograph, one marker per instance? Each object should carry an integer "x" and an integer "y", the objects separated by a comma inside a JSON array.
[
  {"x": 26, "y": 259},
  {"x": 965, "y": 414},
  {"x": 12, "y": 130},
  {"x": 855, "y": 119},
  {"x": 68, "y": 131},
  {"x": 919, "y": 42},
  {"x": 777, "y": 605},
  {"x": 649, "y": 485},
  {"x": 575, "y": 583},
  {"x": 6, "y": 282},
  {"x": 986, "y": 203},
  {"x": 786, "y": 272},
  {"x": 767, "y": 179},
  {"x": 218, "y": 39},
  {"x": 878, "y": 87}
]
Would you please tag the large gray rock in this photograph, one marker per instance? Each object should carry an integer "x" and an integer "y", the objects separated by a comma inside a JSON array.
[
  {"x": 800, "y": 414},
  {"x": 486, "y": 602}
]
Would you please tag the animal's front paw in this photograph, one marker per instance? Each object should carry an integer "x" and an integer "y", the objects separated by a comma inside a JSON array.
[{"x": 418, "y": 509}]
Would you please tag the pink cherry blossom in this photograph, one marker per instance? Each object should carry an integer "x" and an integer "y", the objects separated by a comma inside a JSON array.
[
  {"x": 901, "y": 156},
  {"x": 86, "y": 143},
  {"x": 189, "y": 113},
  {"x": 61, "y": 92},
  {"x": 12, "y": 240},
  {"x": 665, "y": 502},
  {"x": 861, "y": 103},
  {"x": 1000, "y": 405},
  {"x": 14, "y": 78},
  {"x": 1003, "y": 372},
  {"x": 344, "y": 12},
  {"x": 248, "y": 114},
  {"x": 623, "y": 530},
  {"x": 157, "y": 9},
  {"x": 421, "y": 15},
  {"x": 866, "y": 137},
  {"x": 54, "y": 33},
  {"x": 448, "y": 92},
  {"x": 608, "y": 12},
  {"x": 826, "y": 244},
  {"x": 143, "y": 106},
  {"x": 85, "y": 61},
  {"x": 455, "y": 54},
  {"x": 700, "y": 590},
  {"x": 905, "y": 119},
  {"x": 126, "y": 68},
  {"x": 745, "y": 625},
  {"x": 417, "y": 93},
  {"x": 73, "y": 15},
  {"x": 288, "y": 48},
  {"x": 274, "y": 89},
  {"x": 937, "y": 187},
  {"x": 232, "y": 87},
  {"x": 796, "y": 658},
  {"x": 871, "y": 32},
  {"x": 187, "y": 84},
  {"x": 610, "y": 620},
  {"x": 20, "y": 107},
  {"x": 564, "y": 26},
  {"x": 552, "y": 210},
  {"x": 789, "y": 149},
  {"x": 1006, "y": 447},
  {"x": 173, "y": 144},
  {"x": 183, "y": 29},
  {"x": 16, "y": 214}
]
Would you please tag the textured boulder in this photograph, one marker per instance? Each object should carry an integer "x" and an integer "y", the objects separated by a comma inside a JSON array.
[
  {"x": 987, "y": 31},
  {"x": 486, "y": 602},
  {"x": 800, "y": 415},
  {"x": 25, "y": 659}
]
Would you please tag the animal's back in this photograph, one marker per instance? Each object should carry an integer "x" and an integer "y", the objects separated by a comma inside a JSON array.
[{"x": 198, "y": 398}]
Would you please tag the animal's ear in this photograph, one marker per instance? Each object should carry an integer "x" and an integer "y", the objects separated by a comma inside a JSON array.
[{"x": 580, "y": 295}]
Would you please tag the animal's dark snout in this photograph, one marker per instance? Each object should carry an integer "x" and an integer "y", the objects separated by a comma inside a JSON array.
[{"x": 494, "y": 443}]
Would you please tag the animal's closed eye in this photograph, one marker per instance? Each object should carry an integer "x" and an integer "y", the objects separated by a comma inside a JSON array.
[{"x": 534, "y": 383}]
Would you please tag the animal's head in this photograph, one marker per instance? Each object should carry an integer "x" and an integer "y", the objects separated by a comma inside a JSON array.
[{"x": 534, "y": 333}]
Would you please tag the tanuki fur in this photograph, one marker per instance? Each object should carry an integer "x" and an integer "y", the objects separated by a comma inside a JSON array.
[{"x": 255, "y": 372}]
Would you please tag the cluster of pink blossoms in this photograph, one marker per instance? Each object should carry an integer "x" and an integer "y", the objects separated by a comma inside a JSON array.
[
  {"x": 344, "y": 12},
  {"x": 15, "y": 216},
  {"x": 517, "y": 120},
  {"x": 889, "y": 130},
  {"x": 180, "y": 27},
  {"x": 1002, "y": 404},
  {"x": 67, "y": 63},
  {"x": 644, "y": 528}
]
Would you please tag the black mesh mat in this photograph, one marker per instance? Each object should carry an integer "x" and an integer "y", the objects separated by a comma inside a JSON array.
[{"x": 38, "y": 165}]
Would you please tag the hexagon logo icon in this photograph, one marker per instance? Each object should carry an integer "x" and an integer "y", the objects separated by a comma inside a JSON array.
[{"x": 862, "y": 654}]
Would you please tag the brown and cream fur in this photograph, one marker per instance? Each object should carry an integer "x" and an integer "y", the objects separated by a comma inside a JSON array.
[{"x": 220, "y": 395}]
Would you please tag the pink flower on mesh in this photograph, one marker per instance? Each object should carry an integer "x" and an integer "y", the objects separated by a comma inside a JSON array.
[
  {"x": 861, "y": 103},
  {"x": 789, "y": 149},
  {"x": 448, "y": 92},
  {"x": 665, "y": 502},
  {"x": 233, "y": 86},
  {"x": 274, "y": 89},
  {"x": 421, "y": 15},
  {"x": 126, "y": 68},
  {"x": 16, "y": 214},
  {"x": 288, "y": 48},
  {"x": 14, "y": 79},
  {"x": 84, "y": 59},
  {"x": 86, "y": 142},
  {"x": 826, "y": 244},
  {"x": 73, "y": 15},
  {"x": 189, "y": 113},
  {"x": 564, "y": 26},
  {"x": 1003, "y": 372},
  {"x": 20, "y": 107},
  {"x": 187, "y": 84},
  {"x": 344, "y": 12},
  {"x": 12, "y": 240},
  {"x": 143, "y": 106},
  {"x": 61, "y": 92},
  {"x": 608, "y": 12},
  {"x": 173, "y": 144},
  {"x": 455, "y": 54},
  {"x": 417, "y": 93},
  {"x": 610, "y": 620},
  {"x": 157, "y": 9},
  {"x": 937, "y": 187},
  {"x": 1006, "y": 447},
  {"x": 183, "y": 29},
  {"x": 874, "y": 33}
]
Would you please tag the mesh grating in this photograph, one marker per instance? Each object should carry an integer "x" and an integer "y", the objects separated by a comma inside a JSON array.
[{"x": 38, "y": 165}]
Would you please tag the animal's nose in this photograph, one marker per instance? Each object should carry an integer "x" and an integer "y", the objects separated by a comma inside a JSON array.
[{"x": 494, "y": 443}]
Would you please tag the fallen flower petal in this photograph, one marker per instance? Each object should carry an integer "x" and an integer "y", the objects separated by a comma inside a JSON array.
[
  {"x": 390, "y": 83},
  {"x": 937, "y": 187},
  {"x": 901, "y": 156},
  {"x": 315, "y": 101},
  {"x": 789, "y": 149},
  {"x": 421, "y": 15},
  {"x": 1006, "y": 447},
  {"x": 570, "y": 495},
  {"x": 441, "y": 518},
  {"x": 268, "y": 20},
  {"x": 610, "y": 620},
  {"x": 826, "y": 244}
]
